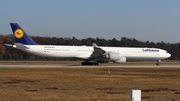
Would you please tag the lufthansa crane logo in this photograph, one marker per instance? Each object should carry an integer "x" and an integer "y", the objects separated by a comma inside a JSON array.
[{"x": 18, "y": 33}]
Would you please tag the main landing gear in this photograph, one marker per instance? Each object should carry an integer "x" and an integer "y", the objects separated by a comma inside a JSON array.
[
  {"x": 89, "y": 63},
  {"x": 158, "y": 62}
]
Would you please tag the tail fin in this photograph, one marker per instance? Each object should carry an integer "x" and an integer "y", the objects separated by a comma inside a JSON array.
[{"x": 20, "y": 35}]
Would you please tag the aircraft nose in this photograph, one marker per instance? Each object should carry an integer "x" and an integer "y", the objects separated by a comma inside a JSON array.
[{"x": 168, "y": 55}]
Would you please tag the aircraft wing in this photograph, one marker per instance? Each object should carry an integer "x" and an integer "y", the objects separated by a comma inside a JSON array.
[{"x": 98, "y": 52}]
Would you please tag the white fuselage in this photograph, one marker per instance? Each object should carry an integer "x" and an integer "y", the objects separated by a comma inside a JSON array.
[{"x": 84, "y": 52}]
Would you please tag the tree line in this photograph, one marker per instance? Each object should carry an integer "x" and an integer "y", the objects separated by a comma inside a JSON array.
[{"x": 9, "y": 53}]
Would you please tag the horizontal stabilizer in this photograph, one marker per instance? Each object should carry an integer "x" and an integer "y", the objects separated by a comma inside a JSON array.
[
  {"x": 10, "y": 45},
  {"x": 22, "y": 46}
]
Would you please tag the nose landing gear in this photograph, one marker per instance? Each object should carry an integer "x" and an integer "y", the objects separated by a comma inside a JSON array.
[{"x": 158, "y": 62}]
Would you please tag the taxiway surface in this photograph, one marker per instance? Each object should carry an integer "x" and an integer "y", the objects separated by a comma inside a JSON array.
[{"x": 70, "y": 64}]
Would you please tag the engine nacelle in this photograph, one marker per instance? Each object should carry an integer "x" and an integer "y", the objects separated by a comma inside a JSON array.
[
  {"x": 116, "y": 57},
  {"x": 113, "y": 56},
  {"x": 122, "y": 60}
]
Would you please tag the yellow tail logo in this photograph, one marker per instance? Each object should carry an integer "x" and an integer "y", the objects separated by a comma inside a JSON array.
[{"x": 18, "y": 33}]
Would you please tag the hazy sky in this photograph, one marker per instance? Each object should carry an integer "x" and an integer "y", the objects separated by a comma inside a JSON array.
[{"x": 153, "y": 20}]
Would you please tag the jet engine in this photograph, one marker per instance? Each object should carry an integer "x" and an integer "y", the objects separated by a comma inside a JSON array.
[
  {"x": 122, "y": 60},
  {"x": 116, "y": 57}
]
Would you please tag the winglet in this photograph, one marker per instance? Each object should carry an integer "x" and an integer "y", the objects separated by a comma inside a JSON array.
[{"x": 20, "y": 35}]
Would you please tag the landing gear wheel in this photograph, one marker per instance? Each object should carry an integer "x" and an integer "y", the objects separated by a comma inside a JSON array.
[
  {"x": 86, "y": 63},
  {"x": 89, "y": 63},
  {"x": 158, "y": 62},
  {"x": 96, "y": 63}
]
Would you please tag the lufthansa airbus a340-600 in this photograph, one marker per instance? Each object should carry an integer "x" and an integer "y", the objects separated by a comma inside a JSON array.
[{"x": 92, "y": 55}]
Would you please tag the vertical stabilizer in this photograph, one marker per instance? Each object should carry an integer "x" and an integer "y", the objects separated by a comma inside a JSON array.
[{"x": 20, "y": 35}]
